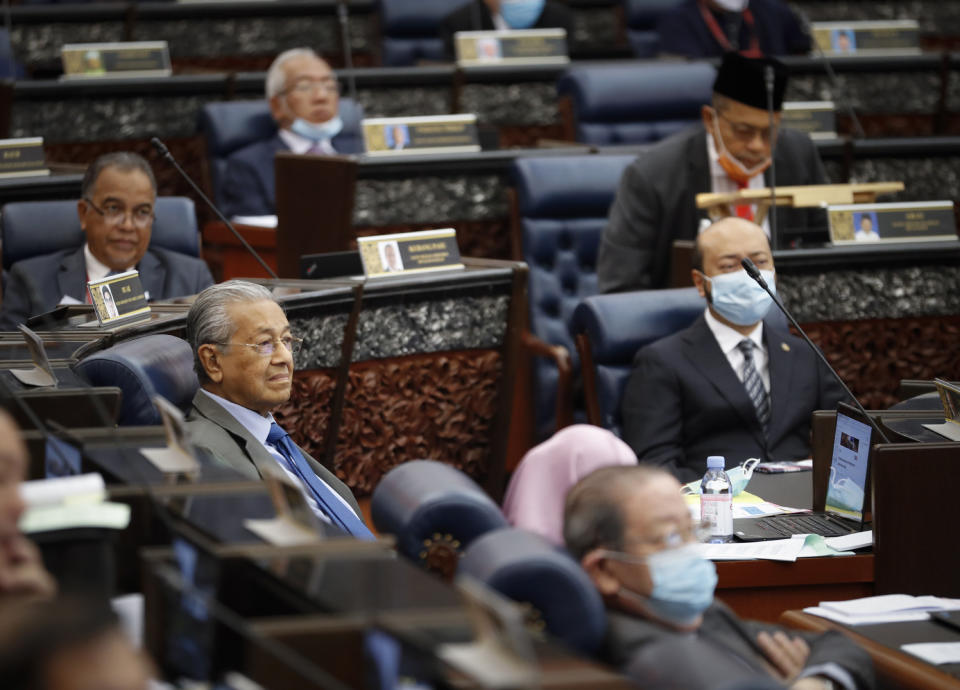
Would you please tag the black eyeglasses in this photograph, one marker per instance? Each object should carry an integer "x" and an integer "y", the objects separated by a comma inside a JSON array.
[{"x": 115, "y": 214}]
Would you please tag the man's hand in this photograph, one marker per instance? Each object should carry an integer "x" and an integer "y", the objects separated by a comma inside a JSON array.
[
  {"x": 22, "y": 575},
  {"x": 812, "y": 683},
  {"x": 787, "y": 655}
]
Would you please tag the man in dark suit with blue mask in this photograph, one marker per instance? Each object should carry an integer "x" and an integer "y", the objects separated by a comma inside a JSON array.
[
  {"x": 733, "y": 383},
  {"x": 304, "y": 101}
]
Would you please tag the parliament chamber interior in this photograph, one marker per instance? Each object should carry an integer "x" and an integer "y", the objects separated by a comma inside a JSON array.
[{"x": 391, "y": 374}]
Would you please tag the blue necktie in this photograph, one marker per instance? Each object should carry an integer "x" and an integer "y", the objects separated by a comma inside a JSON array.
[
  {"x": 330, "y": 504},
  {"x": 754, "y": 384}
]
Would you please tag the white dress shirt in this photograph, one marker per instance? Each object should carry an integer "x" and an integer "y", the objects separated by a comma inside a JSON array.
[
  {"x": 299, "y": 144},
  {"x": 728, "y": 339},
  {"x": 720, "y": 182},
  {"x": 259, "y": 428}
]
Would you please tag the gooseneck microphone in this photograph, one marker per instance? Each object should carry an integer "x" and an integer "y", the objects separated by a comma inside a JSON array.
[
  {"x": 754, "y": 273},
  {"x": 768, "y": 80},
  {"x": 165, "y": 153}
]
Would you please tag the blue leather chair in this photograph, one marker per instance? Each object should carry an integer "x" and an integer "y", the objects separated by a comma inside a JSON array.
[
  {"x": 231, "y": 125},
  {"x": 411, "y": 30},
  {"x": 434, "y": 511},
  {"x": 33, "y": 228},
  {"x": 142, "y": 368},
  {"x": 611, "y": 328},
  {"x": 561, "y": 210},
  {"x": 528, "y": 569},
  {"x": 642, "y": 17},
  {"x": 635, "y": 103}
]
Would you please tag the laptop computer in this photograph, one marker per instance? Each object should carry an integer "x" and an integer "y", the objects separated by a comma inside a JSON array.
[{"x": 846, "y": 490}]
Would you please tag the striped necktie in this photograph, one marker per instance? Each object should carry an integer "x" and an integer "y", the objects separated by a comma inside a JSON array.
[{"x": 753, "y": 383}]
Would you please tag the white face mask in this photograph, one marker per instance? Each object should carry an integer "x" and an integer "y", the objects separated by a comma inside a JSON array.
[{"x": 733, "y": 5}]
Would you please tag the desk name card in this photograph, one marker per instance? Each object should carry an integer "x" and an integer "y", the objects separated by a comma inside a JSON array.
[
  {"x": 895, "y": 37},
  {"x": 521, "y": 47},
  {"x": 119, "y": 299},
  {"x": 817, "y": 118},
  {"x": 918, "y": 221},
  {"x": 22, "y": 157},
  {"x": 409, "y": 252},
  {"x": 134, "y": 59},
  {"x": 393, "y": 136}
]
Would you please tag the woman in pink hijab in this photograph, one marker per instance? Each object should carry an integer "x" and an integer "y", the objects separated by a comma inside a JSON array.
[{"x": 539, "y": 486}]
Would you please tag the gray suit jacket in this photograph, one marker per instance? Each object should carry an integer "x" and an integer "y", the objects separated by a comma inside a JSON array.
[
  {"x": 218, "y": 432},
  {"x": 656, "y": 204}
]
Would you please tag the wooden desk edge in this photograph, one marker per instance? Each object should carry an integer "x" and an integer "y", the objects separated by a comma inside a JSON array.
[
  {"x": 896, "y": 665},
  {"x": 803, "y": 571}
]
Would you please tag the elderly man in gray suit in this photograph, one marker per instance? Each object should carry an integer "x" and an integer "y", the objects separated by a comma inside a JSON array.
[{"x": 243, "y": 354}]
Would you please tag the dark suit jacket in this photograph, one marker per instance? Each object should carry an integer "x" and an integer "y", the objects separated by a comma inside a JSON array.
[
  {"x": 779, "y": 31},
  {"x": 218, "y": 432},
  {"x": 723, "y": 637},
  {"x": 683, "y": 402},
  {"x": 249, "y": 184},
  {"x": 36, "y": 285},
  {"x": 475, "y": 16},
  {"x": 656, "y": 204}
]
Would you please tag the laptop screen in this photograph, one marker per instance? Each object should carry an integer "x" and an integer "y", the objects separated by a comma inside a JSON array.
[{"x": 848, "y": 468}]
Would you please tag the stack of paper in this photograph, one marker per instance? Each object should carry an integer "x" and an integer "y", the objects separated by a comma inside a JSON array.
[
  {"x": 888, "y": 608},
  {"x": 70, "y": 502},
  {"x": 799, "y": 546},
  {"x": 935, "y": 652}
]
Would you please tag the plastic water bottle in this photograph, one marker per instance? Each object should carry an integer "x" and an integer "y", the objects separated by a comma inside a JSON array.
[{"x": 716, "y": 500}]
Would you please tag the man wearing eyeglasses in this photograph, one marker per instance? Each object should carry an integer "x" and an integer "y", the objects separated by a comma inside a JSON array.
[
  {"x": 632, "y": 533},
  {"x": 731, "y": 149},
  {"x": 243, "y": 355},
  {"x": 305, "y": 103},
  {"x": 116, "y": 213}
]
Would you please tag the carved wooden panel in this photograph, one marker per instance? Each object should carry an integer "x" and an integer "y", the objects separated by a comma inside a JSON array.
[{"x": 437, "y": 406}]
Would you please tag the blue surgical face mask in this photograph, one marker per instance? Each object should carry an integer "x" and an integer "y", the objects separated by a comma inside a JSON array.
[
  {"x": 739, "y": 478},
  {"x": 521, "y": 14},
  {"x": 738, "y": 298},
  {"x": 317, "y": 131},
  {"x": 683, "y": 583}
]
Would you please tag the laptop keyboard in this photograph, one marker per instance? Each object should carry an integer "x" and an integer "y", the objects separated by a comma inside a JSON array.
[{"x": 802, "y": 524}]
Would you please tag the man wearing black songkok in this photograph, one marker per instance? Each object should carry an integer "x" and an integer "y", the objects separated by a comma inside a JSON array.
[{"x": 730, "y": 150}]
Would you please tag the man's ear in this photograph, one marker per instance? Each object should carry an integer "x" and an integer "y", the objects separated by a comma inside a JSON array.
[
  {"x": 279, "y": 112},
  {"x": 82, "y": 212},
  {"x": 210, "y": 359},
  {"x": 597, "y": 566},
  {"x": 706, "y": 116},
  {"x": 698, "y": 282}
]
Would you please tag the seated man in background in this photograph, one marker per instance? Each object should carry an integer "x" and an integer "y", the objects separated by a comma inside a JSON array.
[
  {"x": 243, "y": 355},
  {"x": 503, "y": 15},
  {"x": 304, "y": 99},
  {"x": 116, "y": 211},
  {"x": 730, "y": 150},
  {"x": 710, "y": 28},
  {"x": 630, "y": 529},
  {"x": 730, "y": 384}
]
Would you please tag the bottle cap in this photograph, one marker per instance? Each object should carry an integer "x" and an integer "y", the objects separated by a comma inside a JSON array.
[{"x": 716, "y": 462}]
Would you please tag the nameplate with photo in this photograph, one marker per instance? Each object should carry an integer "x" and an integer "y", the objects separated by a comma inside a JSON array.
[
  {"x": 817, "y": 118},
  {"x": 99, "y": 60},
  {"x": 397, "y": 136},
  {"x": 22, "y": 157},
  {"x": 894, "y": 37},
  {"x": 119, "y": 299},
  {"x": 917, "y": 221},
  {"x": 520, "y": 47},
  {"x": 409, "y": 252}
]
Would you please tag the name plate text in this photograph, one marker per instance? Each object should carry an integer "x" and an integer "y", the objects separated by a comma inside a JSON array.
[
  {"x": 920, "y": 221},
  {"x": 134, "y": 59},
  {"x": 425, "y": 134},
  {"x": 522, "y": 47}
]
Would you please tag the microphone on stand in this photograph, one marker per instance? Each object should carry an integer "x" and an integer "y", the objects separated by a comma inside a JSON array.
[
  {"x": 835, "y": 88},
  {"x": 165, "y": 153},
  {"x": 344, "y": 14},
  {"x": 768, "y": 80},
  {"x": 754, "y": 273}
]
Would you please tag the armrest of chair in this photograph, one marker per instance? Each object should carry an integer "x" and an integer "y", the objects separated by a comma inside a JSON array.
[
  {"x": 561, "y": 359},
  {"x": 588, "y": 374}
]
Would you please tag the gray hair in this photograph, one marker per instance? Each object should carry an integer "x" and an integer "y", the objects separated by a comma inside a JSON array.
[
  {"x": 277, "y": 77},
  {"x": 126, "y": 161},
  {"x": 208, "y": 322}
]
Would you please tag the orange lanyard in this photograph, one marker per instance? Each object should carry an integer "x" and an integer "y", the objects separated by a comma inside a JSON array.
[{"x": 721, "y": 37}]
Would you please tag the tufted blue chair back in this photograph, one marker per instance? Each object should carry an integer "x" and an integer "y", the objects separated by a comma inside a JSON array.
[
  {"x": 411, "y": 30},
  {"x": 562, "y": 203},
  {"x": 642, "y": 17},
  {"x": 618, "y": 325},
  {"x": 230, "y": 125},
  {"x": 434, "y": 511},
  {"x": 636, "y": 103},
  {"x": 33, "y": 228},
  {"x": 142, "y": 368},
  {"x": 525, "y": 567}
]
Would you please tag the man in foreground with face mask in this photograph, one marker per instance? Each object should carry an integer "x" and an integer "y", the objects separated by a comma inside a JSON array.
[
  {"x": 304, "y": 100},
  {"x": 505, "y": 15},
  {"x": 631, "y": 531},
  {"x": 731, "y": 384},
  {"x": 731, "y": 149}
]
